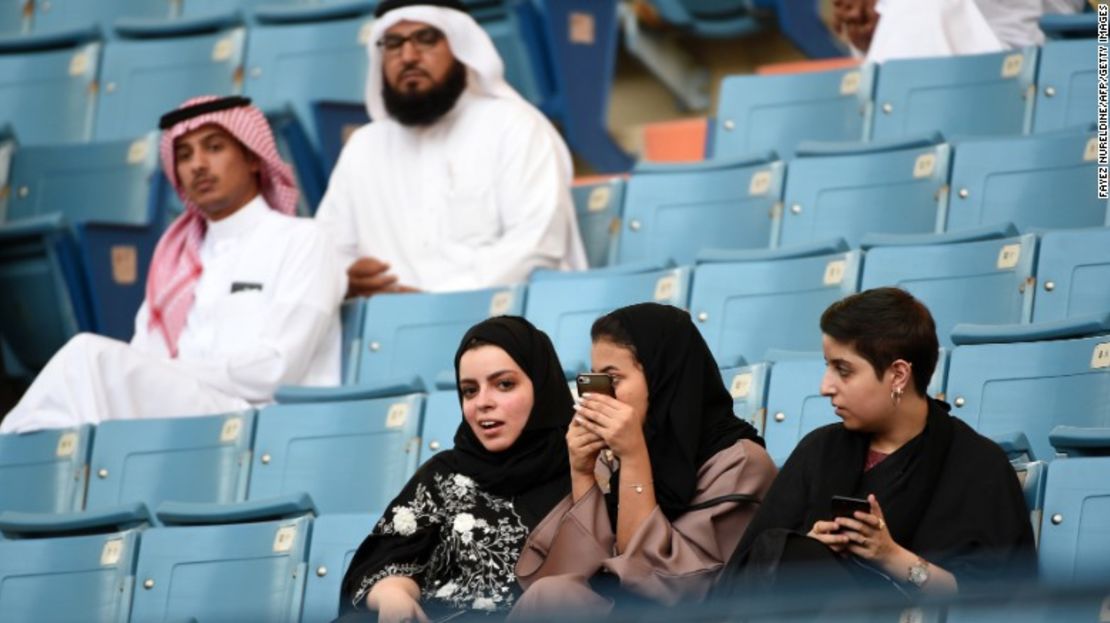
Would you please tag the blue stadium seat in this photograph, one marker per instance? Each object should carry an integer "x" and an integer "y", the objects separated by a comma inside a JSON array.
[
  {"x": 335, "y": 538},
  {"x": 192, "y": 459},
  {"x": 317, "y": 448},
  {"x": 15, "y": 18},
  {"x": 161, "y": 67},
  {"x": 981, "y": 277},
  {"x": 748, "y": 387},
  {"x": 78, "y": 578},
  {"x": 747, "y": 302},
  {"x": 81, "y": 226},
  {"x": 598, "y": 206},
  {"x": 49, "y": 94},
  {"x": 795, "y": 406},
  {"x": 566, "y": 308},
  {"x": 351, "y": 315},
  {"x": 1066, "y": 84},
  {"x": 980, "y": 94},
  {"x": 674, "y": 210},
  {"x": 1032, "y": 475},
  {"x": 758, "y": 113},
  {"x": 1029, "y": 378},
  {"x": 1047, "y": 180},
  {"x": 710, "y": 18},
  {"x": 849, "y": 190},
  {"x": 405, "y": 334},
  {"x": 442, "y": 415},
  {"x": 240, "y": 572},
  {"x": 1073, "y": 268},
  {"x": 44, "y": 471},
  {"x": 522, "y": 70},
  {"x": 298, "y": 55},
  {"x": 1075, "y": 536},
  {"x": 63, "y": 15}
]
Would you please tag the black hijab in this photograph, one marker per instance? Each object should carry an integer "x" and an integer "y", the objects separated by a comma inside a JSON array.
[
  {"x": 535, "y": 469},
  {"x": 690, "y": 415}
]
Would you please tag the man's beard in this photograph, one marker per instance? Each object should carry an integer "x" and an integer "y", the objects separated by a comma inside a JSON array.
[{"x": 424, "y": 109}]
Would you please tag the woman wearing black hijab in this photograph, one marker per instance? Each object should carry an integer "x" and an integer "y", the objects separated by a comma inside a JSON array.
[
  {"x": 664, "y": 476},
  {"x": 449, "y": 541}
]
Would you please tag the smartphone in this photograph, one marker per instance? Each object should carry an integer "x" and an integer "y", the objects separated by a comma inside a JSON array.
[
  {"x": 595, "y": 384},
  {"x": 843, "y": 506}
]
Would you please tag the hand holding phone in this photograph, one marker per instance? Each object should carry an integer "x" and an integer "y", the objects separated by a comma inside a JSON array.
[
  {"x": 844, "y": 506},
  {"x": 595, "y": 384}
]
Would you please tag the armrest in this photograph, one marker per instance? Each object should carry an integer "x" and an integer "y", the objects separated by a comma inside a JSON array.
[
  {"x": 836, "y": 148},
  {"x": 143, "y": 27},
  {"x": 33, "y": 226},
  {"x": 1081, "y": 326},
  {"x": 811, "y": 249},
  {"x": 1075, "y": 441},
  {"x": 990, "y": 232},
  {"x": 746, "y": 160},
  {"x": 291, "y": 394},
  {"x": 192, "y": 514},
  {"x": 1015, "y": 445},
  {"x": 14, "y": 523},
  {"x": 14, "y": 43}
]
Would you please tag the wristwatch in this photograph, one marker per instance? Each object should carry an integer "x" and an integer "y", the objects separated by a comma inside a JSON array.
[{"x": 919, "y": 573}]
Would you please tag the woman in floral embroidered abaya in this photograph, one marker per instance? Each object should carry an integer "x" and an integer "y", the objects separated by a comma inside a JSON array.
[{"x": 449, "y": 542}]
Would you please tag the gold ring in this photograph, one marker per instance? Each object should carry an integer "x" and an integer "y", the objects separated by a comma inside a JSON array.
[{"x": 882, "y": 524}]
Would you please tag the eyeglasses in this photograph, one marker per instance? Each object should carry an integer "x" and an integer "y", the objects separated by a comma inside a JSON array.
[{"x": 423, "y": 39}]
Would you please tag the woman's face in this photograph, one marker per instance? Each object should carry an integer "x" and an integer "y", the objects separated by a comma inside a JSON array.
[
  {"x": 497, "y": 396},
  {"x": 629, "y": 382},
  {"x": 861, "y": 400}
]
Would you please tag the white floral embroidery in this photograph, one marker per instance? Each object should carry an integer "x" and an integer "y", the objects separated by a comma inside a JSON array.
[
  {"x": 483, "y": 603},
  {"x": 478, "y": 540},
  {"x": 404, "y": 521}
]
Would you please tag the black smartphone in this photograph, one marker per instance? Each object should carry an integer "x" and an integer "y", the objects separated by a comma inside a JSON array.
[
  {"x": 843, "y": 506},
  {"x": 595, "y": 384}
]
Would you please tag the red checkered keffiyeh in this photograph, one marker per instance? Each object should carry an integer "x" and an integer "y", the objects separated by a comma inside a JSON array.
[{"x": 175, "y": 267}]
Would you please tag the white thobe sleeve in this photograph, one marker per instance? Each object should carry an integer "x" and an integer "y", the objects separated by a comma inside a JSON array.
[
  {"x": 301, "y": 314},
  {"x": 535, "y": 208},
  {"x": 336, "y": 212}
]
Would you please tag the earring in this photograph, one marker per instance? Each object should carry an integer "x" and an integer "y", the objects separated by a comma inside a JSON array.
[{"x": 896, "y": 396}]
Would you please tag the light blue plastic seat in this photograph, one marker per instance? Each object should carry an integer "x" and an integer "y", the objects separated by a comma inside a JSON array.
[
  {"x": 1046, "y": 180},
  {"x": 598, "y": 206},
  {"x": 747, "y": 302},
  {"x": 406, "y": 334},
  {"x": 191, "y": 459},
  {"x": 1066, "y": 85},
  {"x": 442, "y": 416},
  {"x": 299, "y": 54},
  {"x": 795, "y": 406},
  {"x": 335, "y": 538},
  {"x": 238, "y": 572},
  {"x": 78, "y": 578},
  {"x": 1075, "y": 536},
  {"x": 979, "y": 277},
  {"x": 671, "y": 211},
  {"x": 351, "y": 314},
  {"x": 1005, "y": 379},
  {"x": 48, "y": 94},
  {"x": 161, "y": 66},
  {"x": 1073, "y": 270},
  {"x": 756, "y": 113},
  {"x": 748, "y": 387},
  {"x": 319, "y": 447},
  {"x": 710, "y": 18},
  {"x": 1033, "y": 475},
  {"x": 979, "y": 94},
  {"x": 44, "y": 471},
  {"x": 81, "y": 225},
  {"x": 849, "y": 190},
  {"x": 63, "y": 15},
  {"x": 566, "y": 308}
]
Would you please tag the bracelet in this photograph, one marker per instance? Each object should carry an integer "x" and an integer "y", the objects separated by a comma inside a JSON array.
[{"x": 638, "y": 487}]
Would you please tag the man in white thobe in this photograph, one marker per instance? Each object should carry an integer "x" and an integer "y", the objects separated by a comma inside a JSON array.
[
  {"x": 241, "y": 297},
  {"x": 892, "y": 29},
  {"x": 458, "y": 183}
]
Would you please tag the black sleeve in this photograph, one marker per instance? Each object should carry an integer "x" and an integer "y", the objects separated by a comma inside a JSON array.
[
  {"x": 787, "y": 502},
  {"x": 401, "y": 543}
]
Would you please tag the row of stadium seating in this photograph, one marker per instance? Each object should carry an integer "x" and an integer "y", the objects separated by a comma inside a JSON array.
[
  {"x": 235, "y": 496},
  {"x": 72, "y": 85},
  {"x": 81, "y": 221}
]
